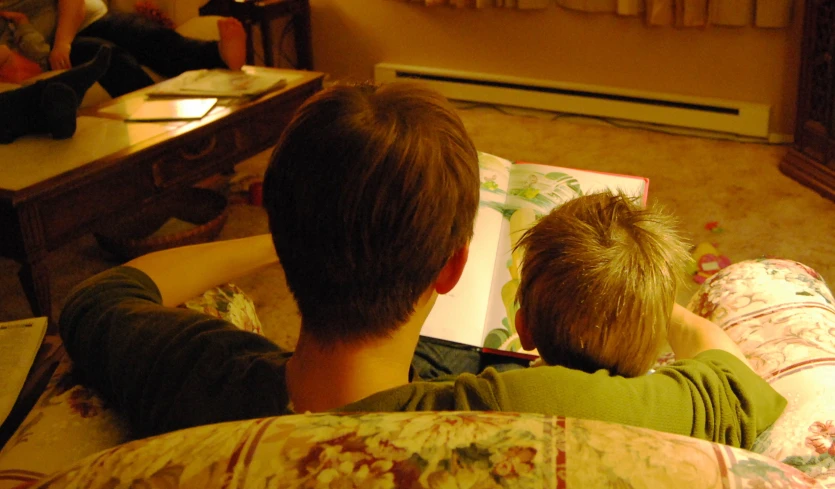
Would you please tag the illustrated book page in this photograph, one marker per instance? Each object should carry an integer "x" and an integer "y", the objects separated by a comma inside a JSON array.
[{"x": 480, "y": 311}]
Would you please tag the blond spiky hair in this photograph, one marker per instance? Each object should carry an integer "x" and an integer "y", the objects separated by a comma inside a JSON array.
[{"x": 598, "y": 283}]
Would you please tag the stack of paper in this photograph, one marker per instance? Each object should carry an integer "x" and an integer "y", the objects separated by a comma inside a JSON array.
[
  {"x": 220, "y": 83},
  {"x": 19, "y": 345}
]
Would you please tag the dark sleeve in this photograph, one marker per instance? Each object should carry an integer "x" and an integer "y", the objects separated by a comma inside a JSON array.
[
  {"x": 167, "y": 368},
  {"x": 714, "y": 397}
]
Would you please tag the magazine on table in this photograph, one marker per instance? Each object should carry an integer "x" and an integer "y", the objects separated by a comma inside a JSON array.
[
  {"x": 219, "y": 83},
  {"x": 481, "y": 310}
]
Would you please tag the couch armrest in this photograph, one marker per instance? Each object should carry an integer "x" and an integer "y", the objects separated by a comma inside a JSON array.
[{"x": 451, "y": 449}]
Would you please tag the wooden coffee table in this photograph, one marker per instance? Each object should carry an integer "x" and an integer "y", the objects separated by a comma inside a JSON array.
[{"x": 52, "y": 192}]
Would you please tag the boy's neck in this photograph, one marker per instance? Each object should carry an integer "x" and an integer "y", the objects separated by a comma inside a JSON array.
[{"x": 321, "y": 378}]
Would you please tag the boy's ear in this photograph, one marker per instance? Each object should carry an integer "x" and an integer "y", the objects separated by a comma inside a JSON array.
[
  {"x": 523, "y": 331},
  {"x": 451, "y": 273}
]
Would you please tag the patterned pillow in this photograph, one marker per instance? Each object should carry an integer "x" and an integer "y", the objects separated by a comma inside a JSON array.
[
  {"x": 70, "y": 421},
  {"x": 431, "y": 450},
  {"x": 782, "y": 315}
]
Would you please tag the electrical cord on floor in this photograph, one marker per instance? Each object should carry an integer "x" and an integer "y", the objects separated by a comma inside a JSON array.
[{"x": 621, "y": 123}]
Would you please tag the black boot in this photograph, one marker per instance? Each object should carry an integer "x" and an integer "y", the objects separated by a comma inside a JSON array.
[
  {"x": 58, "y": 105},
  {"x": 44, "y": 107},
  {"x": 80, "y": 78},
  {"x": 49, "y": 105}
]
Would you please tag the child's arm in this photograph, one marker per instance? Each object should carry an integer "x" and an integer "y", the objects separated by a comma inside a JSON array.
[
  {"x": 70, "y": 17},
  {"x": 690, "y": 335},
  {"x": 27, "y": 40},
  {"x": 31, "y": 44}
]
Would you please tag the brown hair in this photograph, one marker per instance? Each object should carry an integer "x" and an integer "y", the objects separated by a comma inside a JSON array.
[
  {"x": 598, "y": 282},
  {"x": 369, "y": 192}
]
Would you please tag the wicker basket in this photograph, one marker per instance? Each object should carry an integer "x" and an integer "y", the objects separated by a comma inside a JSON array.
[{"x": 200, "y": 212}]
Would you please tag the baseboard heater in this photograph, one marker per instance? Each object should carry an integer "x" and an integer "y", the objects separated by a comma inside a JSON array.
[{"x": 742, "y": 118}]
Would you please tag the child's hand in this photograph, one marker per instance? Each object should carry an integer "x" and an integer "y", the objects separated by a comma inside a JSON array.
[
  {"x": 16, "y": 17},
  {"x": 59, "y": 57}
]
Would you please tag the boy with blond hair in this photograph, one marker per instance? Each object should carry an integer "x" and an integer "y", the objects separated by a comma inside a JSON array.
[
  {"x": 598, "y": 284},
  {"x": 371, "y": 196}
]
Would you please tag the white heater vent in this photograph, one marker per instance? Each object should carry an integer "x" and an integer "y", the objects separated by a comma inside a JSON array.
[{"x": 743, "y": 118}]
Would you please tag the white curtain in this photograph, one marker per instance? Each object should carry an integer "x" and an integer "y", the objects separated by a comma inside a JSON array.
[{"x": 680, "y": 13}]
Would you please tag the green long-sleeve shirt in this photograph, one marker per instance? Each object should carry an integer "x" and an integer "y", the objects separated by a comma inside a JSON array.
[{"x": 168, "y": 369}]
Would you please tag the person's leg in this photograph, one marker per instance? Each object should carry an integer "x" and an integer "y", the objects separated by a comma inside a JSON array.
[
  {"x": 81, "y": 77},
  {"x": 49, "y": 105},
  {"x": 125, "y": 74},
  {"x": 59, "y": 103},
  {"x": 25, "y": 111},
  {"x": 162, "y": 49}
]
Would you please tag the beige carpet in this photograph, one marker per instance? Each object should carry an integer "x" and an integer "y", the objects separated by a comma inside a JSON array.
[{"x": 762, "y": 212}]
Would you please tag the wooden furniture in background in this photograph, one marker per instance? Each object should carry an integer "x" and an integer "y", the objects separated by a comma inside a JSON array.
[
  {"x": 57, "y": 191},
  {"x": 263, "y": 13},
  {"x": 811, "y": 161}
]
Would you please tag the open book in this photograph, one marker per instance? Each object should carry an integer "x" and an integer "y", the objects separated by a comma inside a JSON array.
[
  {"x": 481, "y": 310},
  {"x": 19, "y": 345}
]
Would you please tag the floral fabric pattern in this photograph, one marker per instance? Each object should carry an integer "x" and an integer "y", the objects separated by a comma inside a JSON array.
[
  {"x": 780, "y": 312},
  {"x": 71, "y": 421},
  {"x": 782, "y": 315},
  {"x": 823, "y": 439},
  {"x": 425, "y": 450}
]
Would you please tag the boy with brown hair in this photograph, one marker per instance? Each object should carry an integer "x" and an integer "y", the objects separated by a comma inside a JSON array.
[
  {"x": 371, "y": 196},
  {"x": 413, "y": 177},
  {"x": 598, "y": 283}
]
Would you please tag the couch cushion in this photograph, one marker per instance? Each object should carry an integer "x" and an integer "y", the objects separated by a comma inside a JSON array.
[{"x": 457, "y": 449}]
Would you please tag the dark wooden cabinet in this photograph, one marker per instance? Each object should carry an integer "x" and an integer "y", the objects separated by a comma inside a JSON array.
[{"x": 811, "y": 161}]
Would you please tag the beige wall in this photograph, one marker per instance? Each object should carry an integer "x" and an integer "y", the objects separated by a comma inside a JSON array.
[{"x": 748, "y": 64}]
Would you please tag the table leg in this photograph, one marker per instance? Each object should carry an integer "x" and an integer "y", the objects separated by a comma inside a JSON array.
[
  {"x": 267, "y": 38},
  {"x": 33, "y": 273},
  {"x": 301, "y": 33},
  {"x": 34, "y": 277},
  {"x": 250, "y": 44}
]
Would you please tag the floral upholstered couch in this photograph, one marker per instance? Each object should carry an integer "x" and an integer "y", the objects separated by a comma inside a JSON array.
[
  {"x": 433, "y": 450},
  {"x": 780, "y": 312}
]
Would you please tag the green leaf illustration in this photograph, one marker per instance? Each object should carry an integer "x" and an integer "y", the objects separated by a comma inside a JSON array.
[{"x": 496, "y": 337}]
